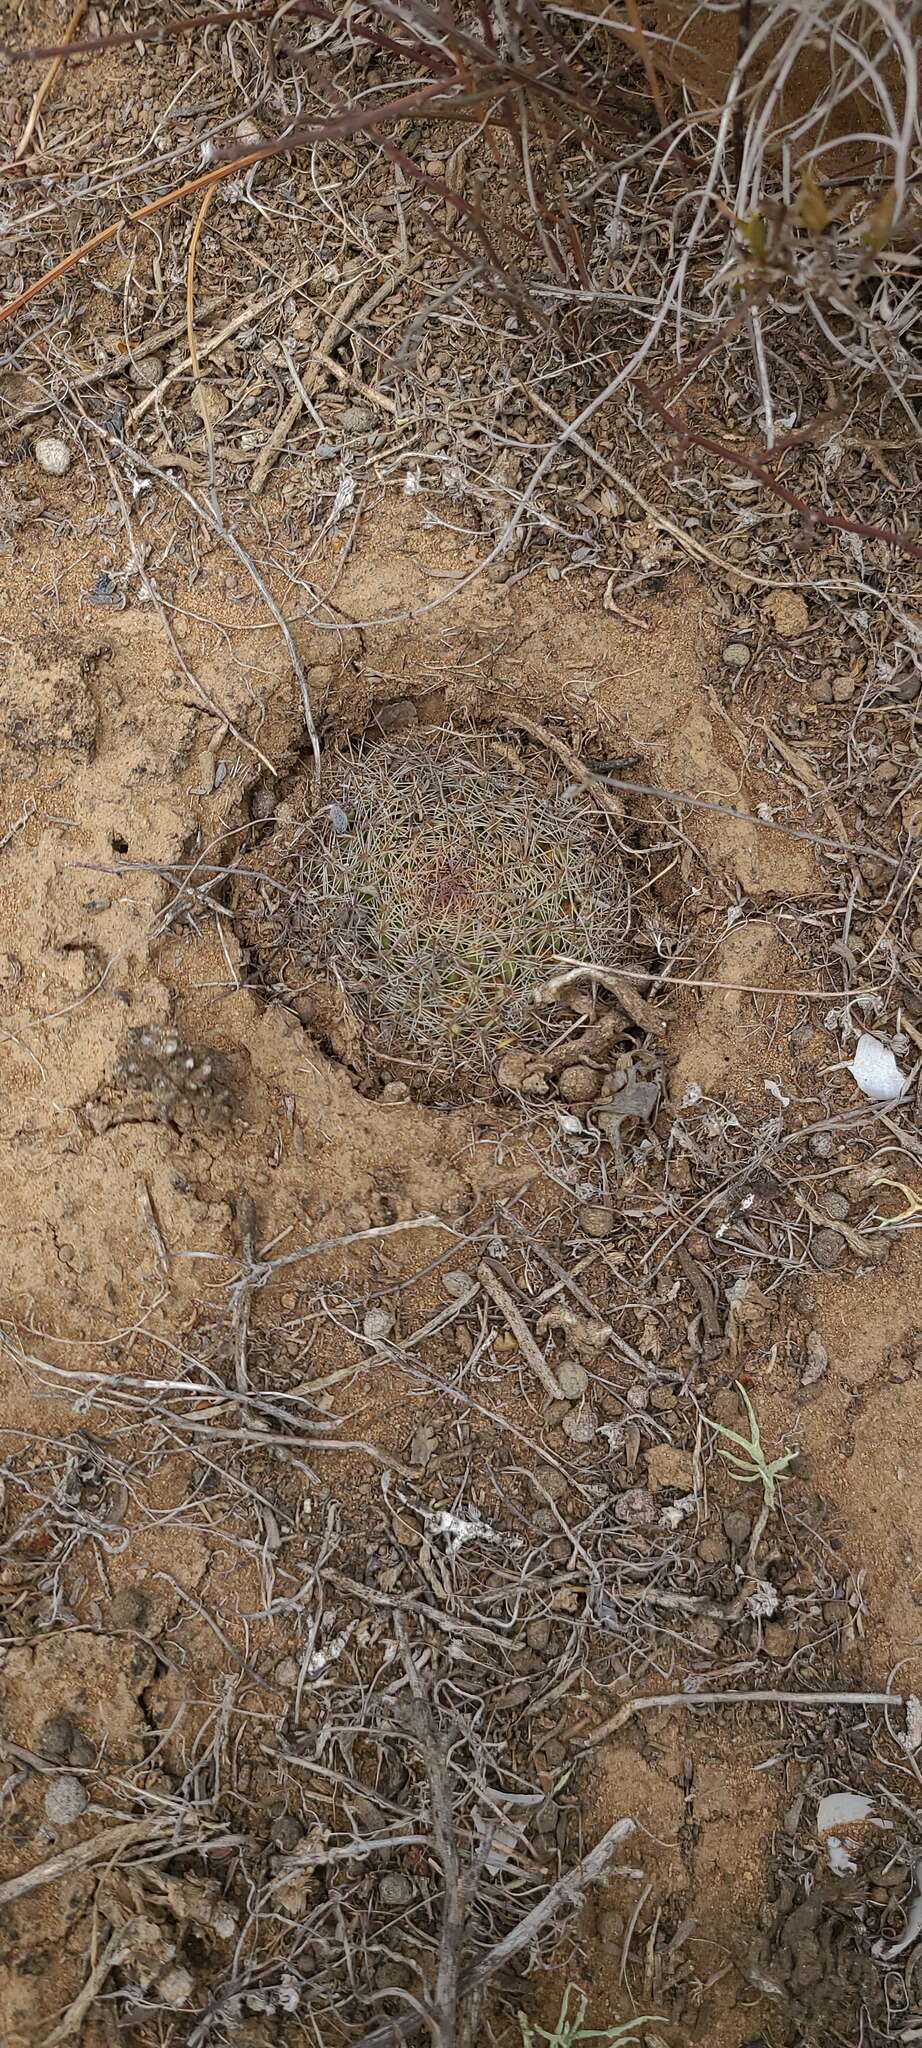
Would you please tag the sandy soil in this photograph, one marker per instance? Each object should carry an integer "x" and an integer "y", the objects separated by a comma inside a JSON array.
[{"x": 132, "y": 763}]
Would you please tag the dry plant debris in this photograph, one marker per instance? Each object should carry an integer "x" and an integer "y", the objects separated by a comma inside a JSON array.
[{"x": 449, "y": 1524}]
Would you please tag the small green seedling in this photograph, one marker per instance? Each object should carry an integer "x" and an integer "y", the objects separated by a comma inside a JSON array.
[
  {"x": 569, "y": 2030},
  {"x": 753, "y": 1467}
]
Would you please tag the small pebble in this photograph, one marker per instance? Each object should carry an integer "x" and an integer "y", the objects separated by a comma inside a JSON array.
[
  {"x": 737, "y": 655},
  {"x": 580, "y": 1424},
  {"x": 395, "y": 1091},
  {"x": 598, "y": 1219},
  {"x": 129, "y": 1608},
  {"x": 54, "y": 1742},
  {"x": 538, "y": 1634},
  {"x": 53, "y": 455},
  {"x": 817, "y": 1359},
  {"x": 377, "y": 1324},
  {"x": 457, "y": 1284},
  {"x": 779, "y": 1641},
  {"x": 146, "y": 372},
  {"x": 286, "y": 1673},
  {"x": 572, "y": 1378},
  {"x": 635, "y": 1507},
  {"x": 262, "y": 798},
  {"x": 395, "y": 1889},
  {"x": 399, "y": 716},
  {"x": 287, "y": 1833},
  {"x": 835, "y": 1206},
  {"x": 65, "y": 1800},
  {"x": 737, "y": 1526},
  {"x": 578, "y": 1084},
  {"x": 175, "y": 1987},
  {"x": 827, "y": 1248}
]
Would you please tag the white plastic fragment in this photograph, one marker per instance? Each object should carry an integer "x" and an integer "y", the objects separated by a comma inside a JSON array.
[
  {"x": 841, "y": 1861},
  {"x": 838, "y": 1809},
  {"x": 875, "y": 1070},
  {"x": 835, "y": 1815}
]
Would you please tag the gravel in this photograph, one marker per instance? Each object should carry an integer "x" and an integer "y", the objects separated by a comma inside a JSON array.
[
  {"x": 53, "y": 456},
  {"x": 65, "y": 1800}
]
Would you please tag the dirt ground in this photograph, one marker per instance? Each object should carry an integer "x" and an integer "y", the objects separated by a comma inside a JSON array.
[{"x": 207, "y": 1191}]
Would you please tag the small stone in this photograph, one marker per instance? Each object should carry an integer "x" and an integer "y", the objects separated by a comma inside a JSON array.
[
  {"x": 456, "y": 1284},
  {"x": 395, "y": 1091},
  {"x": 65, "y": 1800},
  {"x": 843, "y": 689},
  {"x": 737, "y": 655},
  {"x": 822, "y": 1145},
  {"x": 146, "y": 372},
  {"x": 249, "y": 132},
  {"x": 788, "y": 613},
  {"x": 538, "y": 1634},
  {"x": 779, "y": 1641},
  {"x": 400, "y": 716},
  {"x": 262, "y": 799},
  {"x": 395, "y": 1889},
  {"x": 175, "y": 1987},
  {"x": 738, "y": 1527},
  {"x": 551, "y": 1481},
  {"x": 287, "y": 1673},
  {"x": 915, "y": 938},
  {"x": 377, "y": 1324},
  {"x": 635, "y": 1508},
  {"x": 669, "y": 1469},
  {"x": 578, "y": 1084},
  {"x": 663, "y": 1400},
  {"x": 638, "y": 1400},
  {"x": 129, "y": 1608},
  {"x": 82, "y": 1754},
  {"x": 713, "y": 1550},
  {"x": 357, "y": 419},
  {"x": 53, "y": 455},
  {"x": 287, "y": 1832},
  {"x": 56, "y": 1738},
  {"x": 817, "y": 1359},
  {"x": 518, "y": 1073},
  {"x": 572, "y": 1378},
  {"x": 821, "y": 689},
  {"x": 835, "y": 1206},
  {"x": 598, "y": 1219},
  {"x": 725, "y": 1407},
  {"x": 580, "y": 1424},
  {"x": 827, "y": 1248},
  {"x": 548, "y": 1817}
]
